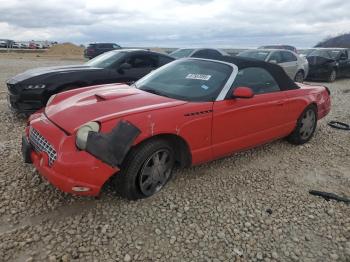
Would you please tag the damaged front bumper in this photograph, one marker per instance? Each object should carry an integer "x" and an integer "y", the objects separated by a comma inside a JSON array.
[
  {"x": 112, "y": 147},
  {"x": 55, "y": 156}
]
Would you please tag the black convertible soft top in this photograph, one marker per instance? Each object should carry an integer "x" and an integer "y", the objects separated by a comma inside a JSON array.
[{"x": 283, "y": 80}]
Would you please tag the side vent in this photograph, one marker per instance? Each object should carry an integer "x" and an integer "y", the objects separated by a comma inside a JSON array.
[{"x": 198, "y": 113}]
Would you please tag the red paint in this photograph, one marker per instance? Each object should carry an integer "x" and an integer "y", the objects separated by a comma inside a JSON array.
[{"x": 211, "y": 129}]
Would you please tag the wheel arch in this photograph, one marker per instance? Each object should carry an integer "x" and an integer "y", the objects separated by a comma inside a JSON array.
[
  {"x": 183, "y": 154},
  {"x": 300, "y": 70}
]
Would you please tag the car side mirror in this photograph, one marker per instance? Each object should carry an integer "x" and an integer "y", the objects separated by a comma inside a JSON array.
[
  {"x": 273, "y": 61},
  {"x": 242, "y": 92}
]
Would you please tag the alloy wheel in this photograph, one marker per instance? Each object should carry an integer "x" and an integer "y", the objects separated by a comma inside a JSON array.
[
  {"x": 155, "y": 172},
  {"x": 308, "y": 122}
]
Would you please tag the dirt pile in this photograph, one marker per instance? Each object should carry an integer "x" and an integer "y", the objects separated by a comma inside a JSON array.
[{"x": 65, "y": 49}]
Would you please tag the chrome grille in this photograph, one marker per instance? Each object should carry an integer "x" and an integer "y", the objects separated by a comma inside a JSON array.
[{"x": 40, "y": 144}]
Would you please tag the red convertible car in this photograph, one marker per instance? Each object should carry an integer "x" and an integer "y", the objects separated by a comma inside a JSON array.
[{"x": 185, "y": 113}]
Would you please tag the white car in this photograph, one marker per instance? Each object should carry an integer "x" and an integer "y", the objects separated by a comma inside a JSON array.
[{"x": 296, "y": 67}]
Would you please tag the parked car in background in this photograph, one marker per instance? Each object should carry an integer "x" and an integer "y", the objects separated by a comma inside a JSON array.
[
  {"x": 3, "y": 43},
  {"x": 188, "y": 112},
  {"x": 296, "y": 67},
  {"x": 29, "y": 91},
  {"x": 284, "y": 47},
  {"x": 328, "y": 63},
  {"x": 15, "y": 45},
  {"x": 24, "y": 45},
  {"x": 32, "y": 45},
  {"x": 96, "y": 49},
  {"x": 208, "y": 53}
]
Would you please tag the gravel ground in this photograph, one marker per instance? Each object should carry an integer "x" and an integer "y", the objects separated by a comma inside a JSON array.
[{"x": 253, "y": 206}]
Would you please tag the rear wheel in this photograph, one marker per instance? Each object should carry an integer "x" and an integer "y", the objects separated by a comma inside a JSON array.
[
  {"x": 146, "y": 170},
  {"x": 332, "y": 76},
  {"x": 305, "y": 127},
  {"x": 299, "y": 77}
]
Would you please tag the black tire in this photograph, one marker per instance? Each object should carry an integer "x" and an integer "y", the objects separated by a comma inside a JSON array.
[
  {"x": 128, "y": 182},
  {"x": 332, "y": 76},
  {"x": 300, "y": 136},
  {"x": 299, "y": 77}
]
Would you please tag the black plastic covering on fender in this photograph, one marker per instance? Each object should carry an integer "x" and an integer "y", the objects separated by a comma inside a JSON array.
[
  {"x": 278, "y": 73},
  {"x": 112, "y": 147}
]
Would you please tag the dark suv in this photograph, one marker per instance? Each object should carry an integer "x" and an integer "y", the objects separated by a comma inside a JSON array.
[
  {"x": 328, "y": 63},
  {"x": 96, "y": 49}
]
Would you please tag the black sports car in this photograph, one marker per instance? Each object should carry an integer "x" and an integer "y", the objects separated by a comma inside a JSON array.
[
  {"x": 31, "y": 90},
  {"x": 328, "y": 63}
]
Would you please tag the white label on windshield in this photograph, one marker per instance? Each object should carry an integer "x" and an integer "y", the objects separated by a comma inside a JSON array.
[{"x": 198, "y": 77}]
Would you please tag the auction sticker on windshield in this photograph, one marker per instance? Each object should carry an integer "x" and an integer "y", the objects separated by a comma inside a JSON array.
[{"x": 198, "y": 77}]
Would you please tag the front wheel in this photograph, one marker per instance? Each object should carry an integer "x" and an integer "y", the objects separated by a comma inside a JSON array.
[
  {"x": 305, "y": 127},
  {"x": 146, "y": 170}
]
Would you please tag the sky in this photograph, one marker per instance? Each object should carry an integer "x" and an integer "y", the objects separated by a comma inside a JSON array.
[{"x": 176, "y": 23}]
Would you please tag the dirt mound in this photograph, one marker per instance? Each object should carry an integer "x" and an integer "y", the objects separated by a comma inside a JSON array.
[{"x": 65, "y": 49}]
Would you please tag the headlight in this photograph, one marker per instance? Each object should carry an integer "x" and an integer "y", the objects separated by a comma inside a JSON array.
[
  {"x": 50, "y": 100},
  {"x": 83, "y": 132},
  {"x": 35, "y": 86}
]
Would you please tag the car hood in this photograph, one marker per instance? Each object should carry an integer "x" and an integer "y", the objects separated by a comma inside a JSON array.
[
  {"x": 49, "y": 70},
  {"x": 102, "y": 103}
]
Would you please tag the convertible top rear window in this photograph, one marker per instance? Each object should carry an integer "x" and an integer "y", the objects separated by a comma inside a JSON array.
[{"x": 189, "y": 80}]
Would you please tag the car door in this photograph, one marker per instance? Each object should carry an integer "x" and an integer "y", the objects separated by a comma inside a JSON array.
[
  {"x": 141, "y": 64},
  {"x": 241, "y": 123},
  {"x": 289, "y": 63},
  {"x": 344, "y": 63}
]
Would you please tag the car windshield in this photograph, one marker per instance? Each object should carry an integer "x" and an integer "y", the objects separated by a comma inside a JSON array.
[
  {"x": 330, "y": 54},
  {"x": 180, "y": 53},
  {"x": 334, "y": 53},
  {"x": 106, "y": 59},
  {"x": 189, "y": 80},
  {"x": 256, "y": 54}
]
